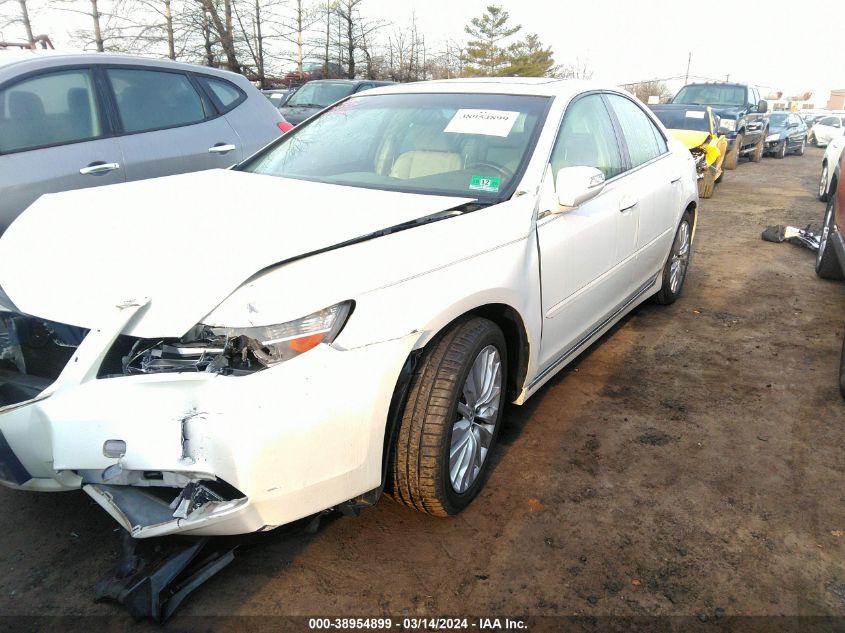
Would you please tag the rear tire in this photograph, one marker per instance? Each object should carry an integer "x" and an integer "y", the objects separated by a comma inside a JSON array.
[
  {"x": 759, "y": 148},
  {"x": 732, "y": 159},
  {"x": 675, "y": 269},
  {"x": 447, "y": 424},
  {"x": 827, "y": 266}
]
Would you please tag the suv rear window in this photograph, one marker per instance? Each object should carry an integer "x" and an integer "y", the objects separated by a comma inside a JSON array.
[{"x": 227, "y": 94}]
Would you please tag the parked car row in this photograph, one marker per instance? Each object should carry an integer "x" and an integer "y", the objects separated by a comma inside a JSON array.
[
  {"x": 827, "y": 128},
  {"x": 362, "y": 334}
]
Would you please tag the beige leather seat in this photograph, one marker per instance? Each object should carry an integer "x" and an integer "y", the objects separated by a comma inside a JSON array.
[{"x": 419, "y": 163}]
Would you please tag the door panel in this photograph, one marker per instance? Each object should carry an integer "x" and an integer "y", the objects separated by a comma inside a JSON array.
[
  {"x": 166, "y": 125},
  {"x": 50, "y": 129},
  {"x": 580, "y": 277}
]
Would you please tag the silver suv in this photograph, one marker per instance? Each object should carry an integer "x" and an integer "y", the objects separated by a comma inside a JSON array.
[{"x": 69, "y": 121}]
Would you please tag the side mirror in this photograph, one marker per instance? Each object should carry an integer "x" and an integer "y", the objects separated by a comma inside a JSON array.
[
  {"x": 762, "y": 106},
  {"x": 575, "y": 185}
]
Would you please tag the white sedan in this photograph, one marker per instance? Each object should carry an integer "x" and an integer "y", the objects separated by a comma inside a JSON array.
[
  {"x": 827, "y": 129},
  {"x": 829, "y": 162},
  {"x": 345, "y": 313}
]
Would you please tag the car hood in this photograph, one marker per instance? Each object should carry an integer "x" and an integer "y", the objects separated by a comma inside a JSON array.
[
  {"x": 297, "y": 114},
  {"x": 186, "y": 242},
  {"x": 728, "y": 112},
  {"x": 691, "y": 138}
]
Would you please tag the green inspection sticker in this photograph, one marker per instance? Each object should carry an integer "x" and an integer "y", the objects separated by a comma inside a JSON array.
[{"x": 483, "y": 183}]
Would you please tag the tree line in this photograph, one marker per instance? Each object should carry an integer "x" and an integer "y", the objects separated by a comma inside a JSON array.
[{"x": 265, "y": 39}]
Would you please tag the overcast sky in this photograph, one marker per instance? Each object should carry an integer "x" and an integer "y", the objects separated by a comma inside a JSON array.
[{"x": 629, "y": 40}]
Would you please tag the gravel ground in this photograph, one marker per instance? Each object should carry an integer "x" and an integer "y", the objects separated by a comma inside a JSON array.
[{"x": 689, "y": 464}]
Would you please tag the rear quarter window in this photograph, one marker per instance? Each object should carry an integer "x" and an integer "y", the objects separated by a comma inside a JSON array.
[{"x": 227, "y": 95}]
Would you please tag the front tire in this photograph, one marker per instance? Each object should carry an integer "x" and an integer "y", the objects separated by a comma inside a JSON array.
[
  {"x": 675, "y": 270},
  {"x": 823, "y": 189},
  {"x": 781, "y": 151},
  {"x": 827, "y": 266},
  {"x": 732, "y": 159},
  {"x": 801, "y": 148},
  {"x": 441, "y": 457}
]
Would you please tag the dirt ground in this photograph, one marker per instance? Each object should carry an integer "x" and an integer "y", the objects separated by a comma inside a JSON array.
[{"x": 689, "y": 464}]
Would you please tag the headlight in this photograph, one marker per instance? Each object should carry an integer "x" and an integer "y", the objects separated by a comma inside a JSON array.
[
  {"x": 224, "y": 350},
  {"x": 772, "y": 138},
  {"x": 728, "y": 125}
]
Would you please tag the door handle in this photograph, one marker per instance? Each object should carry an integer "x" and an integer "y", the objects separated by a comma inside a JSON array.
[
  {"x": 221, "y": 148},
  {"x": 627, "y": 203},
  {"x": 98, "y": 168},
  {"x": 674, "y": 180}
]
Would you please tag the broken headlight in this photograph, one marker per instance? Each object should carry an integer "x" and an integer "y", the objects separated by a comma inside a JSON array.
[{"x": 234, "y": 350}]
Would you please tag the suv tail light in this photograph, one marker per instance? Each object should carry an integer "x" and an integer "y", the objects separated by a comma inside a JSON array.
[{"x": 284, "y": 126}]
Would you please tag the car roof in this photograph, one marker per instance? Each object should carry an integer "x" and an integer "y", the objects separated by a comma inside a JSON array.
[
  {"x": 538, "y": 86},
  {"x": 14, "y": 62}
]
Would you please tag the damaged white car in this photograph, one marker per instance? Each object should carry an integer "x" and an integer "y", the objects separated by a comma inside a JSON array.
[{"x": 200, "y": 361}]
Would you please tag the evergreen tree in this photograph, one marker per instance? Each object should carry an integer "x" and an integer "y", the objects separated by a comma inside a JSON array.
[
  {"x": 529, "y": 58},
  {"x": 485, "y": 55}
]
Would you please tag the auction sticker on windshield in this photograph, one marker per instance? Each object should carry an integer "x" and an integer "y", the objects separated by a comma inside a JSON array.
[
  {"x": 695, "y": 114},
  {"x": 483, "y": 183},
  {"x": 486, "y": 122}
]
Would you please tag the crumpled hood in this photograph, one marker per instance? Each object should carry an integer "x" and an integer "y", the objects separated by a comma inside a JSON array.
[
  {"x": 185, "y": 241},
  {"x": 690, "y": 138}
]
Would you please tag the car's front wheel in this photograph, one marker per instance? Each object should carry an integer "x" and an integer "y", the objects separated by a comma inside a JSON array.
[
  {"x": 782, "y": 149},
  {"x": 827, "y": 266},
  {"x": 800, "y": 150},
  {"x": 675, "y": 270},
  {"x": 823, "y": 192},
  {"x": 441, "y": 456}
]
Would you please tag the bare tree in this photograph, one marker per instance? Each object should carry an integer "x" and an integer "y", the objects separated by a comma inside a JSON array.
[
  {"x": 642, "y": 90},
  {"x": 22, "y": 18},
  {"x": 222, "y": 28}
]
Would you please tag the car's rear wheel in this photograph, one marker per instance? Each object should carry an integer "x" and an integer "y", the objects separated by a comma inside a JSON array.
[
  {"x": 759, "y": 148},
  {"x": 781, "y": 150},
  {"x": 827, "y": 266},
  {"x": 442, "y": 453},
  {"x": 732, "y": 159},
  {"x": 823, "y": 190},
  {"x": 675, "y": 270}
]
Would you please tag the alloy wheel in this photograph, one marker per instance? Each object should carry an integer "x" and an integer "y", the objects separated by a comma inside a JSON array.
[
  {"x": 828, "y": 221},
  {"x": 680, "y": 257},
  {"x": 472, "y": 431},
  {"x": 823, "y": 181}
]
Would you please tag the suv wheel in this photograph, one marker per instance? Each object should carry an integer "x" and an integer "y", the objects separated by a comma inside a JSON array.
[
  {"x": 732, "y": 158},
  {"x": 760, "y": 147},
  {"x": 827, "y": 266},
  {"x": 449, "y": 427}
]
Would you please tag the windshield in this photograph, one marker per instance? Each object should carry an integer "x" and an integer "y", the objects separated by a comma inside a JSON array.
[
  {"x": 711, "y": 94},
  {"x": 778, "y": 119},
  {"x": 683, "y": 119},
  {"x": 321, "y": 93},
  {"x": 448, "y": 144}
]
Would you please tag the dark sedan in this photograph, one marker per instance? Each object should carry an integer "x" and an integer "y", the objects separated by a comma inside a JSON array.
[{"x": 787, "y": 134}]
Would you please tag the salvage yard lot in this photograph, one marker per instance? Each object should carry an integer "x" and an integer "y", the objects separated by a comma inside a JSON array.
[{"x": 690, "y": 463}]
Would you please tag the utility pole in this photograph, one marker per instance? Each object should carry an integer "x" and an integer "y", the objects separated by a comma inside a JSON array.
[
  {"x": 727, "y": 77},
  {"x": 689, "y": 61}
]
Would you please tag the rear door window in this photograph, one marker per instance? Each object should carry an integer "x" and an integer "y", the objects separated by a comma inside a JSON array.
[
  {"x": 644, "y": 140},
  {"x": 153, "y": 100},
  {"x": 51, "y": 109}
]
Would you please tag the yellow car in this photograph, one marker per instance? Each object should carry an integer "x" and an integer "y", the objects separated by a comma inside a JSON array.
[{"x": 697, "y": 128}]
